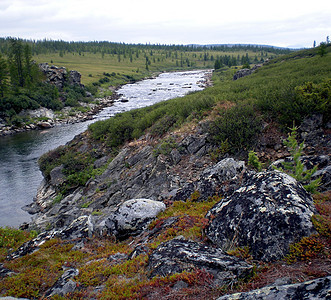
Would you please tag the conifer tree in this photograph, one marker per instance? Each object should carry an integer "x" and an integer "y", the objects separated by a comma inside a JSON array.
[
  {"x": 3, "y": 76},
  {"x": 16, "y": 63}
]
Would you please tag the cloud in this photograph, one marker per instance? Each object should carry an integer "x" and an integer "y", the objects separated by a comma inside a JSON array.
[{"x": 181, "y": 22}]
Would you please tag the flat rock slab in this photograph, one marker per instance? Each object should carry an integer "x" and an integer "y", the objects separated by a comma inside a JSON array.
[
  {"x": 310, "y": 290},
  {"x": 180, "y": 255}
]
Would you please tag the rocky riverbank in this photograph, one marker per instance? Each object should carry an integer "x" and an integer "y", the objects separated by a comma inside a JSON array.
[
  {"x": 250, "y": 219},
  {"x": 44, "y": 118},
  {"x": 177, "y": 217}
]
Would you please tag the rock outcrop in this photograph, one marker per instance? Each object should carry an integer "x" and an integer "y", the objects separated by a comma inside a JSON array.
[
  {"x": 64, "y": 284},
  {"x": 180, "y": 255},
  {"x": 136, "y": 172},
  {"x": 222, "y": 178},
  {"x": 317, "y": 289},
  {"x": 132, "y": 217},
  {"x": 245, "y": 72},
  {"x": 267, "y": 214},
  {"x": 59, "y": 75}
]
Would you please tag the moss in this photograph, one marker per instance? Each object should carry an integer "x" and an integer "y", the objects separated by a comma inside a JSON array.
[
  {"x": 37, "y": 272},
  {"x": 241, "y": 252},
  {"x": 11, "y": 239}
]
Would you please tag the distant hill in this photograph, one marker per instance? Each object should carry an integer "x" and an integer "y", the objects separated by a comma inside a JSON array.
[{"x": 244, "y": 45}]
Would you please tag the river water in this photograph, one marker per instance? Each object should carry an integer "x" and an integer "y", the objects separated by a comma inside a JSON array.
[{"x": 19, "y": 153}]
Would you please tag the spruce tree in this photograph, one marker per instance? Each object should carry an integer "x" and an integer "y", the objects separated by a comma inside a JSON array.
[
  {"x": 3, "y": 76},
  {"x": 16, "y": 63}
]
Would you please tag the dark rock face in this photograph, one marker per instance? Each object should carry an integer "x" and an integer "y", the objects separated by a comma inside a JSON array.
[
  {"x": 244, "y": 72},
  {"x": 325, "y": 175},
  {"x": 222, "y": 178},
  {"x": 313, "y": 133},
  {"x": 267, "y": 214},
  {"x": 57, "y": 177},
  {"x": 5, "y": 272},
  {"x": 64, "y": 284},
  {"x": 79, "y": 228},
  {"x": 314, "y": 289},
  {"x": 59, "y": 75},
  {"x": 74, "y": 77},
  {"x": 133, "y": 216},
  {"x": 180, "y": 255}
]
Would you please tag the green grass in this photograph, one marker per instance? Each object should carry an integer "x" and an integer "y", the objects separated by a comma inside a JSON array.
[{"x": 92, "y": 66}]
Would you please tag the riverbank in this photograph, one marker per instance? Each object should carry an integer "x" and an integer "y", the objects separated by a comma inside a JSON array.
[
  {"x": 44, "y": 118},
  {"x": 19, "y": 173}
]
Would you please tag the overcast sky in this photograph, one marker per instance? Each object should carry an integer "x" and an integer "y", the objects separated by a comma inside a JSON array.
[{"x": 285, "y": 23}]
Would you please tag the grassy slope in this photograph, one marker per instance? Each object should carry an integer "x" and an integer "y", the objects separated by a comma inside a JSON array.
[{"x": 270, "y": 90}]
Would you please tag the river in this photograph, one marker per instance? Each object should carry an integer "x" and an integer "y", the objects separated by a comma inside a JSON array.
[{"x": 19, "y": 153}]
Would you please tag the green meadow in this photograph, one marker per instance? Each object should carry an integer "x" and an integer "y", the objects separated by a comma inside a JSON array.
[{"x": 92, "y": 66}]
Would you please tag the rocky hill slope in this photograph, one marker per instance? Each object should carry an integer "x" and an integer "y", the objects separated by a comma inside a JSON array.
[{"x": 178, "y": 216}]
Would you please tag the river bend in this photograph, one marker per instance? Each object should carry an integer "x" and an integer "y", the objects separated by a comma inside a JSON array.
[{"x": 19, "y": 153}]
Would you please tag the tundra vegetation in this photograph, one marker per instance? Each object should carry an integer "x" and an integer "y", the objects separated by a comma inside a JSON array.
[{"x": 286, "y": 90}]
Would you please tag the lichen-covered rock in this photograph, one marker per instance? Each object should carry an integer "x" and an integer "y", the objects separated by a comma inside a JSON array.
[
  {"x": 221, "y": 178},
  {"x": 64, "y": 284},
  {"x": 133, "y": 216},
  {"x": 271, "y": 211},
  {"x": 180, "y": 255},
  {"x": 245, "y": 72},
  {"x": 79, "y": 228},
  {"x": 310, "y": 290}
]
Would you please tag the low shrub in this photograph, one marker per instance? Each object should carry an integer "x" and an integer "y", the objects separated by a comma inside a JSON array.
[
  {"x": 158, "y": 118},
  {"x": 239, "y": 126},
  {"x": 306, "y": 249}
]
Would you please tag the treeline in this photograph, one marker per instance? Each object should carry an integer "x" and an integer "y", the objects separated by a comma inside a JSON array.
[
  {"x": 22, "y": 85},
  {"x": 244, "y": 60},
  {"x": 50, "y": 46}
]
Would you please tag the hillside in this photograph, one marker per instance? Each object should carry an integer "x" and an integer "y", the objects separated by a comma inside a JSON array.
[{"x": 166, "y": 201}]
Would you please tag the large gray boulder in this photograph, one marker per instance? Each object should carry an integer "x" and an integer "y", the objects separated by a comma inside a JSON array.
[
  {"x": 310, "y": 290},
  {"x": 267, "y": 214},
  {"x": 180, "y": 255},
  {"x": 133, "y": 216}
]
